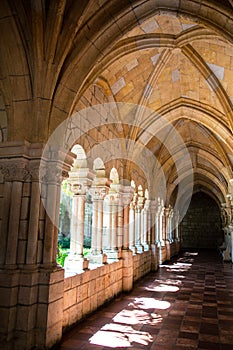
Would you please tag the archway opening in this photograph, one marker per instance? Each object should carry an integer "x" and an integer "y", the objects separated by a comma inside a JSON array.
[{"x": 202, "y": 227}]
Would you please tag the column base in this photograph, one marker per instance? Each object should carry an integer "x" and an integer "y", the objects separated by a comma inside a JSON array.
[
  {"x": 146, "y": 247},
  {"x": 140, "y": 248},
  {"x": 133, "y": 249},
  {"x": 75, "y": 264},
  {"x": 99, "y": 258},
  {"x": 112, "y": 255}
]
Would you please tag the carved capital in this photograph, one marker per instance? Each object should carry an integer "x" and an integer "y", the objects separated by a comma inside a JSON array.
[
  {"x": 52, "y": 175},
  {"x": 113, "y": 198},
  {"x": 98, "y": 192},
  {"x": 15, "y": 172},
  {"x": 77, "y": 188}
]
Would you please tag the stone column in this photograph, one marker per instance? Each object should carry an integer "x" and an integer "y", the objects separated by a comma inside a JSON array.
[
  {"x": 146, "y": 225},
  {"x": 161, "y": 232},
  {"x": 111, "y": 202},
  {"x": 79, "y": 180},
  {"x": 99, "y": 240},
  {"x": 157, "y": 218},
  {"x": 75, "y": 260},
  {"x": 29, "y": 275},
  {"x": 154, "y": 235},
  {"x": 132, "y": 245},
  {"x": 120, "y": 224},
  {"x": 94, "y": 230},
  {"x": 138, "y": 230},
  {"x": 126, "y": 254},
  {"x": 167, "y": 232},
  {"x": 98, "y": 193},
  {"x": 139, "y": 221},
  {"x": 161, "y": 222}
]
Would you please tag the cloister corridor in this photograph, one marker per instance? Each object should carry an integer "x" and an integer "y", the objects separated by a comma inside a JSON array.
[
  {"x": 116, "y": 174},
  {"x": 187, "y": 304}
]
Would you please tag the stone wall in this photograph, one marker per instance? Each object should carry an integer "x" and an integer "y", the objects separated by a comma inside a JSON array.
[
  {"x": 201, "y": 226},
  {"x": 86, "y": 291}
]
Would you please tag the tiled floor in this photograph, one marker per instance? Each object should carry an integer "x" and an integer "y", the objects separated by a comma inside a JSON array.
[{"x": 187, "y": 304}]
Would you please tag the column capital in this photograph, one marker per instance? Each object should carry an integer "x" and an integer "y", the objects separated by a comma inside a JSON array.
[
  {"x": 80, "y": 180},
  {"x": 126, "y": 194},
  {"x": 15, "y": 172},
  {"x": 98, "y": 192}
]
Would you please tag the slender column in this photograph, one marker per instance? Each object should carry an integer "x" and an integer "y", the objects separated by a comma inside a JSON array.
[
  {"x": 143, "y": 227},
  {"x": 138, "y": 229},
  {"x": 132, "y": 245},
  {"x": 99, "y": 243},
  {"x": 157, "y": 217},
  {"x": 94, "y": 227},
  {"x": 108, "y": 223},
  {"x": 126, "y": 195},
  {"x": 77, "y": 225},
  {"x": 146, "y": 225},
  {"x": 161, "y": 224},
  {"x": 139, "y": 220},
  {"x": 111, "y": 249},
  {"x": 120, "y": 223},
  {"x": 167, "y": 233},
  {"x": 126, "y": 228},
  {"x": 171, "y": 230},
  {"x": 75, "y": 261},
  {"x": 114, "y": 245},
  {"x": 161, "y": 231},
  {"x": 153, "y": 218},
  {"x": 80, "y": 219},
  {"x": 73, "y": 226},
  {"x": 99, "y": 239}
]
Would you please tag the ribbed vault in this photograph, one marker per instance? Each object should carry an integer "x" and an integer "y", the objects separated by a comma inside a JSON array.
[{"x": 172, "y": 61}]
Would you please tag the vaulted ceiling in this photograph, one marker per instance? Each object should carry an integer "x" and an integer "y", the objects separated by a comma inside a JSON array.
[{"x": 165, "y": 67}]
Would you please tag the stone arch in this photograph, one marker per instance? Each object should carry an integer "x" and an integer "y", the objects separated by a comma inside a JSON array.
[
  {"x": 217, "y": 19},
  {"x": 114, "y": 176}
]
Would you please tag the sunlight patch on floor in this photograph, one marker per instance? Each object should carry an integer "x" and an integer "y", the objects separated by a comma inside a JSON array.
[
  {"x": 150, "y": 303},
  {"x": 163, "y": 288},
  {"x": 121, "y": 333},
  {"x": 133, "y": 317},
  {"x": 115, "y": 335}
]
